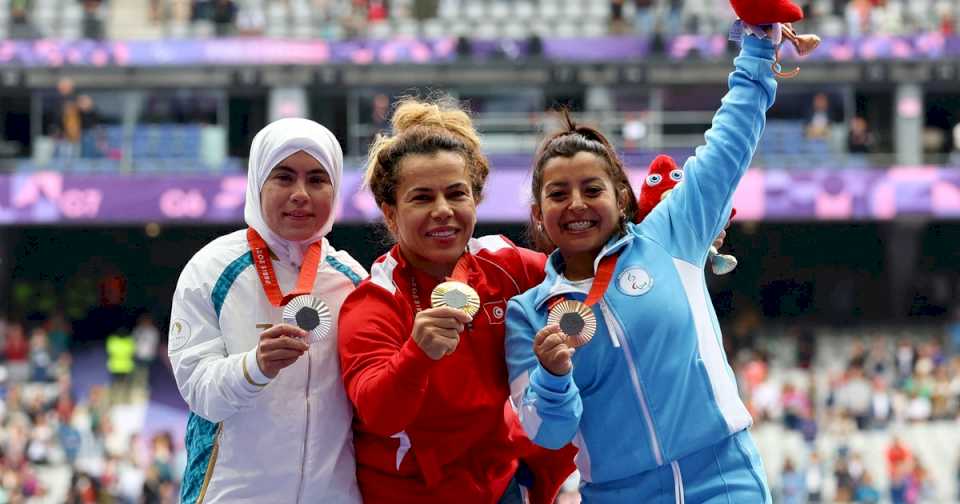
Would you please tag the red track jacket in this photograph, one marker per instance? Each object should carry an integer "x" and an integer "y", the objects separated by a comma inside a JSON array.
[{"x": 441, "y": 431}]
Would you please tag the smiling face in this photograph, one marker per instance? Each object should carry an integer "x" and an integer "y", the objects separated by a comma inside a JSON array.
[
  {"x": 578, "y": 207},
  {"x": 297, "y": 197},
  {"x": 435, "y": 213}
]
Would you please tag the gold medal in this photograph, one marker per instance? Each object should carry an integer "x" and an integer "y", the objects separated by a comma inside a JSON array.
[
  {"x": 576, "y": 320},
  {"x": 311, "y": 315},
  {"x": 456, "y": 295}
]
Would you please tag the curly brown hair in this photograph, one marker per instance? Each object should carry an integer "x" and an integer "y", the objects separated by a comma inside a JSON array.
[
  {"x": 424, "y": 127},
  {"x": 568, "y": 142}
]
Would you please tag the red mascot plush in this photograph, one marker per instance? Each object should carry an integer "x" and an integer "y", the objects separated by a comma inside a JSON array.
[
  {"x": 762, "y": 12},
  {"x": 662, "y": 176}
]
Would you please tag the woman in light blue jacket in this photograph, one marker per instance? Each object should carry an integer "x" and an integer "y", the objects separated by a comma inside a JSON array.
[{"x": 650, "y": 400}]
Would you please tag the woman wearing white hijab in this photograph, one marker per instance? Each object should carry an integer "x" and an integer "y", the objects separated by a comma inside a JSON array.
[{"x": 269, "y": 419}]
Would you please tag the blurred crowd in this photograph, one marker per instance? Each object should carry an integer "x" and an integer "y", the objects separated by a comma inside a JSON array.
[
  {"x": 354, "y": 18},
  {"x": 62, "y": 444},
  {"x": 839, "y": 389},
  {"x": 879, "y": 386}
]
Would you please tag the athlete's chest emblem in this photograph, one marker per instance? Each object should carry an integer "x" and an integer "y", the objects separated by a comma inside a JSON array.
[
  {"x": 634, "y": 281},
  {"x": 496, "y": 311}
]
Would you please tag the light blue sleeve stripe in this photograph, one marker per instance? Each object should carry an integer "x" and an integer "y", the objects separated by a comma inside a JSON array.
[
  {"x": 200, "y": 439},
  {"x": 343, "y": 268},
  {"x": 229, "y": 275}
]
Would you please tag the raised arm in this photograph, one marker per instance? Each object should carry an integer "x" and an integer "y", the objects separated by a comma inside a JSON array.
[
  {"x": 697, "y": 210},
  {"x": 549, "y": 406}
]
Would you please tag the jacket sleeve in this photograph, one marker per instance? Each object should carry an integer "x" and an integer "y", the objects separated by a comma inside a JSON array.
[
  {"x": 384, "y": 371},
  {"x": 549, "y": 406},
  {"x": 214, "y": 384},
  {"x": 698, "y": 209}
]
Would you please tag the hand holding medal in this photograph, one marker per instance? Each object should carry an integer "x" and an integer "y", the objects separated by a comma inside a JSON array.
[
  {"x": 570, "y": 323},
  {"x": 280, "y": 346},
  {"x": 452, "y": 306},
  {"x": 553, "y": 350},
  {"x": 306, "y": 319}
]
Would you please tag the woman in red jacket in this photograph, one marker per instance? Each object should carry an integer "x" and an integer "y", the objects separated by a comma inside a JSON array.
[{"x": 429, "y": 385}]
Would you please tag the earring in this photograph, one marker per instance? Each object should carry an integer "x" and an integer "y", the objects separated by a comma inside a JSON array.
[{"x": 540, "y": 227}]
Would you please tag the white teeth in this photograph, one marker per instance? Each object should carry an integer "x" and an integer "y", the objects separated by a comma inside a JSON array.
[
  {"x": 441, "y": 234},
  {"x": 579, "y": 225}
]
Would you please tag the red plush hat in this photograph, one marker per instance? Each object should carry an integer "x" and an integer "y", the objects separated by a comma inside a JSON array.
[
  {"x": 657, "y": 182},
  {"x": 663, "y": 175},
  {"x": 763, "y": 12}
]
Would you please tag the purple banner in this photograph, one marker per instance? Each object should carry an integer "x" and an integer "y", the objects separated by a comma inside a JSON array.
[
  {"x": 262, "y": 51},
  {"x": 55, "y": 198}
]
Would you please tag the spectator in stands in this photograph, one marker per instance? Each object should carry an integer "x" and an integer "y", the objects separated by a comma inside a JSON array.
[
  {"x": 20, "y": 25},
  {"x": 161, "y": 476},
  {"x": 41, "y": 358},
  {"x": 92, "y": 143},
  {"x": 819, "y": 124},
  {"x": 792, "y": 485},
  {"x": 856, "y": 397},
  {"x": 147, "y": 338},
  {"x": 224, "y": 17},
  {"x": 881, "y": 404},
  {"x": 845, "y": 485},
  {"x": 425, "y": 9},
  {"x": 898, "y": 455},
  {"x": 618, "y": 23},
  {"x": 859, "y": 14},
  {"x": 377, "y": 10},
  {"x": 381, "y": 112},
  {"x": 66, "y": 125},
  {"x": 860, "y": 139},
  {"x": 814, "y": 476},
  {"x": 120, "y": 349},
  {"x": 16, "y": 350},
  {"x": 92, "y": 21},
  {"x": 59, "y": 334},
  {"x": 867, "y": 491},
  {"x": 645, "y": 18}
]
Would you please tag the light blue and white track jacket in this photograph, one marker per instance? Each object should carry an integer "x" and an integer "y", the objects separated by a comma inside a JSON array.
[{"x": 653, "y": 385}]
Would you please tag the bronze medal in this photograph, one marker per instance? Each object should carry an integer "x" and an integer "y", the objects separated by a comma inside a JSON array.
[{"x": 576, "y": 320}]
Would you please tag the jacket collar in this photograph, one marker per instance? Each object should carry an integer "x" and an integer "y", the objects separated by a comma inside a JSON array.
[
  {"x": 405, "y": 272},
  {"x": 553, "y": 285}
]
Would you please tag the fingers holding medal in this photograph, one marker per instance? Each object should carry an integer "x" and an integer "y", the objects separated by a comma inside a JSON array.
[
  {"x": 553, "y": 350},
  {"x": 437, "y": 330},
  {"x": 570, "y": 325}
]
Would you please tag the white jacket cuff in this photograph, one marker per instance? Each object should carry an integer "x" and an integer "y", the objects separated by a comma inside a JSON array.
[{"x": 251, "y": 371}]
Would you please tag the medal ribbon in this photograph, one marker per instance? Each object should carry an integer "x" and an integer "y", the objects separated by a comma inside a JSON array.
[
  {"x": 268, "y": 278},
  {"x": 600, "y": 282},
  {"x": 460, "y": 273}
]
